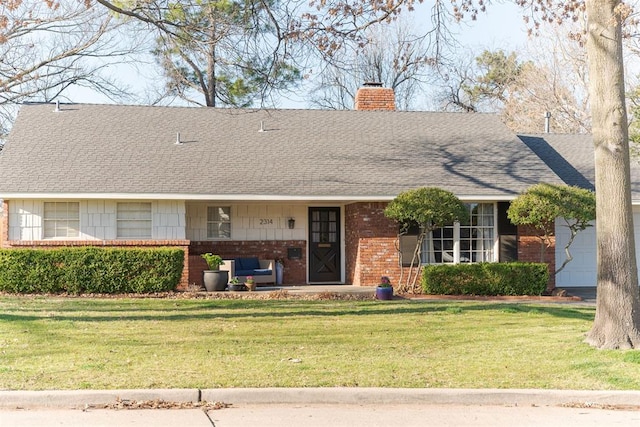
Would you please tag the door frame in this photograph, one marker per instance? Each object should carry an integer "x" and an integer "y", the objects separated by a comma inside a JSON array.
[{"x": 341, "y": 243}]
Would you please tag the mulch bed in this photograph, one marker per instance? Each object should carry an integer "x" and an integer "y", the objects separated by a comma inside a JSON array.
[{"x": 283, "y": 294}]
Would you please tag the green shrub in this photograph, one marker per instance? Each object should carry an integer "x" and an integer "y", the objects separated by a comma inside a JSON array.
[
  {"x": 485, "y": 279},
  {"x": 90, "y": 270}
]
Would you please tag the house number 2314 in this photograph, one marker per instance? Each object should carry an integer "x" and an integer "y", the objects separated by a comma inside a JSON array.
[{"x": 266, "y": 221}]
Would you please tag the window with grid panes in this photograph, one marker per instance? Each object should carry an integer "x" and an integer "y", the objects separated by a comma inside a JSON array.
[
  {"x": 61, "y": 220},
  {"x": 218, "y": 222},
  {"x": 134, "y": 220},
  {"x": 472, "y": 241}
]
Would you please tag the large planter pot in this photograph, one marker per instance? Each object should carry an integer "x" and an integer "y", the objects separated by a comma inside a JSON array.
[
  {"x": 279, "y": 273},
  {"x": 384, "y": 293},
  {"x": 215, "y": 280}
]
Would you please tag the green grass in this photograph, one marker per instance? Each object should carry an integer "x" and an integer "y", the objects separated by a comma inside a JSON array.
[{"x": 78, "y": 343}]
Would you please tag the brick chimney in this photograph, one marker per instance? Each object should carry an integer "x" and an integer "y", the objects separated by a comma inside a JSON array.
[{"x": 372, "y": 96}]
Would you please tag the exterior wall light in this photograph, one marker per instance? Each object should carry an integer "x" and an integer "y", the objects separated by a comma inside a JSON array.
[{"x": 292, "y": 223}]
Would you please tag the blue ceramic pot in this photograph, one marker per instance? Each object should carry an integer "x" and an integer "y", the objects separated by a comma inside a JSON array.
[{"x": 384, "y": 293}]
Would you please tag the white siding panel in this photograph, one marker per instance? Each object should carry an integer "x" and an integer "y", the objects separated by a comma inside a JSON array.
[
  {"x": 25, "y": 219},
  {"x": 97, "y": 220},
  {"x": 108, "y": 219},
  {"x": 166, "y": 223},
  {"x": 250, "y": 221}
]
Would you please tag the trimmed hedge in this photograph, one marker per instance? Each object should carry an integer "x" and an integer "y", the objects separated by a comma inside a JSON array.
[
  {"x": 513, "y": 278},
  {"x": 90, "y": 270}
]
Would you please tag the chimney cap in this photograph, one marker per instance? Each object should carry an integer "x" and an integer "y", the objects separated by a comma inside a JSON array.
[{"x": 372, "y": 84}]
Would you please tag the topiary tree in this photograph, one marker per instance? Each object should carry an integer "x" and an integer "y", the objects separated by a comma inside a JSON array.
[
  {"x": 540, "y": 205},
  {"x": 429, "y": 208}
]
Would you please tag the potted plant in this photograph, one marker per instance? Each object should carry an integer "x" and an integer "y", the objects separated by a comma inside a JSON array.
[
  {"x": 214, "y": 278},
  {"x": 384, "y": 291},
  {"x": 250, "y": 283},
  {"x": 235, "y": 285}
]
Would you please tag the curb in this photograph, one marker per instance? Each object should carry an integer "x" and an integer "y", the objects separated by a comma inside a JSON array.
[
  {"x": 78, "y": 399},
  {"x": 71, "y": 399},
  {"x": 394, "y": 396}
]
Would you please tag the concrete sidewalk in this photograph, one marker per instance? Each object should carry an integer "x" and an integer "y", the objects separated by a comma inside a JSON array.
[{"x": 321, "y": 407}]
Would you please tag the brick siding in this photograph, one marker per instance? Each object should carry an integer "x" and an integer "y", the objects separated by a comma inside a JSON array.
[
  {"x": 295, "y": 270},
  {"x": 371, "y": 240},
  {"x": 375, "y": 98},
  {"x": 529, "y": 251}
]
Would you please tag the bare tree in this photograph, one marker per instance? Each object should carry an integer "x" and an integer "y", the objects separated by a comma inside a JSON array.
[
  {"x": 218, "y": 52},
  {"x": 223, "y": 51},
  {"x": 456, "y": 76},
  {"x": 522, "y": 91},
  {"x": 394, "y": 55},
  {"x": 45, "y": 50},
  {"x": 561, "y": 87}
]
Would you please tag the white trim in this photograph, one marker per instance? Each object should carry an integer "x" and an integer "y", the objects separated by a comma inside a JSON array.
[
  {"x": 230, "y": 222},
  {"x": 228, "y": 197},
  {"x": 456, "y": 226}
]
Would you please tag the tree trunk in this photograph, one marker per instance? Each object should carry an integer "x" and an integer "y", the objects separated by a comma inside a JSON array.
[{"x": 617, "y": 320}]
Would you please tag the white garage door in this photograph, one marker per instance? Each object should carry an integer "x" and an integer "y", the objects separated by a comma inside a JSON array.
[{"x": 582, "y": 270}]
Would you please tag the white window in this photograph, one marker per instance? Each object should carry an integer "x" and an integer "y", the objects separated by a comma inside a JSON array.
[
  {"x": 61, "y": 220},
  {"x": 472, "y": 241},
  {"x": 134, "y": 220},
  {"x": 218, "y": 222}
]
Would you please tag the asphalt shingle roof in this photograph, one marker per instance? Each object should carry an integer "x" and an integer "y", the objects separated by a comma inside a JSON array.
[
  {"x": 571, "y": 157},
  {"x": 114, "y": 149}
]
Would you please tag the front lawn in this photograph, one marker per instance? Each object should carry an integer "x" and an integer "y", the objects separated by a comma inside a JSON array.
[{"x": 91, "y": 343}]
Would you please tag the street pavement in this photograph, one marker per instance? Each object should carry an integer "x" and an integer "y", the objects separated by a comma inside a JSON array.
[{"x": 315, "y": 407}]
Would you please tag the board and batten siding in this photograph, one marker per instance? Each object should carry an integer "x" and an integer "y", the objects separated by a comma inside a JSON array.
[
  {"x": 250, "y": 221},
  {"x": 97, "y": 219}
]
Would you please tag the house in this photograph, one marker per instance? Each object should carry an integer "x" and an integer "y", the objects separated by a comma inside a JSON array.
[
  {"x": 306, "y": 186},
  {"x": 571, "y": 157}
]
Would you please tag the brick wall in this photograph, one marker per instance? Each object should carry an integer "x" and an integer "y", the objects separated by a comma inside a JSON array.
[
  {"x": 369, "y": 98},
  {"x": 52, "y": 244},
  {"x": 529, "y": 250},
  {"x": 370, "y": 245},
  {"x": 295, "y": 270}
]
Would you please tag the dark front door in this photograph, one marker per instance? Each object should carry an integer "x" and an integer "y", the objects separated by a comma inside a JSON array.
[{"x": 324, "y": 245}]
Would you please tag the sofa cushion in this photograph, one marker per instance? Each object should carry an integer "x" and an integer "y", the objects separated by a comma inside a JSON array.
[
  {"x": 245, "y": 273},
  {"x": 262, "y": 272},
  {"x": 250, "y": 263},
  {"x": 258, "y": 272}
]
